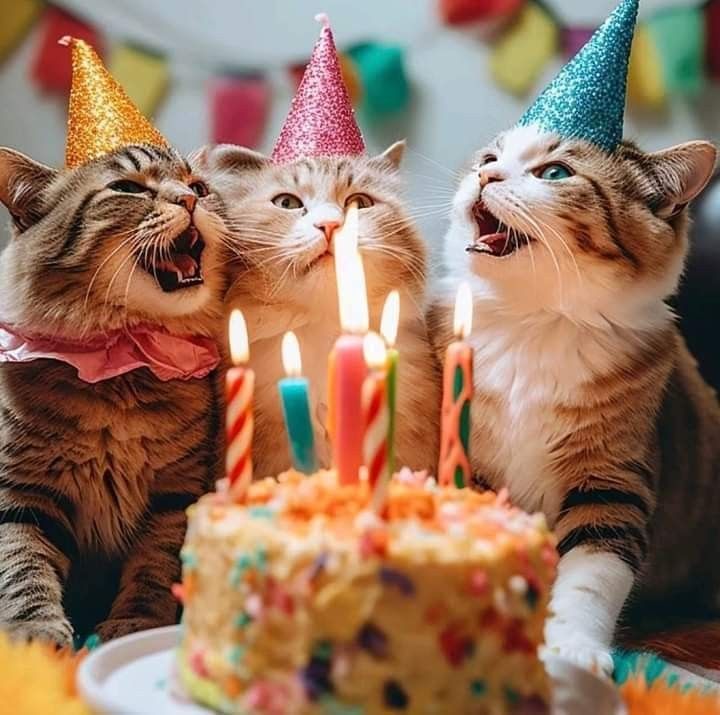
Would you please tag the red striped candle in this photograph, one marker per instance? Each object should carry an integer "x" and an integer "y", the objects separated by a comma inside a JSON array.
[
  {"x": 376, "y": 418},
  {"x": 239, "y": 421}
]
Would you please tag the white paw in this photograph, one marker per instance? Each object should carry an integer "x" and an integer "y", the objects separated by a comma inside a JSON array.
[{"x": 583, "y": 652}]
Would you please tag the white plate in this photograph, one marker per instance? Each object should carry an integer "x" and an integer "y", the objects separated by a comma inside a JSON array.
[{"x": 134, "y": 676}]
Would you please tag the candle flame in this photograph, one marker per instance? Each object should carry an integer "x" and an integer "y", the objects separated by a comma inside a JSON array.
[
  {"x": 374, "y": 351},
  {"x": 390, "y": 318},
  {"x": 239, "y": 348},
  {"x": 350, "y": 276},
  {"x": 463, "y": 311},
  {"x": 291, "y": 355}
]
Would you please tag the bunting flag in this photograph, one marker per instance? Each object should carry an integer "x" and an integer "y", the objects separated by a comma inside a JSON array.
[
  {"x": 239, "y": 107},
  {"x": 460, "y": 12},
  {"x": 381, "y": 70},
  {"x": 143, "y": 75},
  {"x": 679, "y": 35},
  {"x": 574, "y": 39},
  {"x": 52, "y": 69},
  {"x": 522, "y": 53},
  {"x": 17, "y": 18},
  {"x": 646, "y": 84}
]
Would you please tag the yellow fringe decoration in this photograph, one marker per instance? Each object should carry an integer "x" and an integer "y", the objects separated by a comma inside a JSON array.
[
  {"x": 35, "y": 679},
  {"x": 663, "y": 699}
]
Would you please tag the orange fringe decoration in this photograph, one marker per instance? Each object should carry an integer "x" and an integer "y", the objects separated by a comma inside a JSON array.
[
  {"x": 663, "y": 699},
  {"x": 36, "y": 679}
]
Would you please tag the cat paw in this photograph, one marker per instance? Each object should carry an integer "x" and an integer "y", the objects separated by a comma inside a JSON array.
[
  {"x": 583, "y": 652},
  {"x": 58, "y": 632},
  {"x": 118, "y": 627}
]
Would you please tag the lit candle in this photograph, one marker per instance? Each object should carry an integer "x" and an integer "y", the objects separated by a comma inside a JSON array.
[
  {"x": 239, "y": 422},
  {"x": 457, "y": 392},
  {"x": 376, "y": 418},
  {"x": 296, "y": 407},
  {"x": 388, "y": 329},
  {"x": 347, "y": 368}
]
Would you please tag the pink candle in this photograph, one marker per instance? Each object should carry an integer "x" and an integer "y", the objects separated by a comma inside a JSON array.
[
  {"x": 347, "y": 368},
  {"x": 239, "y": 422}
]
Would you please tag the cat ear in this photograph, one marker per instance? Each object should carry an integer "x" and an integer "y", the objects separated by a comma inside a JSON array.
[
  {"x": 391, "y": 157},
  {"x": 227, "y": 157},
  {"x": 22, "y": 182},
  {"x": 683, "y": 170}
]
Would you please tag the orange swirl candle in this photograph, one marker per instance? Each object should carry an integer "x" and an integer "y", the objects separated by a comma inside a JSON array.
[
  {"x": 376, "y": 418},
  {"x": 454, "y": 465},
  {"x": 347, "y": 368},
  {"x": 239, "y": 422}
]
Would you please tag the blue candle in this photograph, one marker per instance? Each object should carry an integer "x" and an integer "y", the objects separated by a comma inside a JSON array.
[{"x": 294, "y": 395}]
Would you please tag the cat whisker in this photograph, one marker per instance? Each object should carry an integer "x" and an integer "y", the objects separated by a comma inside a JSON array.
[
  {"x": 448, "y": 171},
  {"x": 132, "y": 238},
  {"x": 540, "y": 235}
]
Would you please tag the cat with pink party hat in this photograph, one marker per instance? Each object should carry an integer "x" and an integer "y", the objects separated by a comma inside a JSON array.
[{"x": 284, "y": 212}]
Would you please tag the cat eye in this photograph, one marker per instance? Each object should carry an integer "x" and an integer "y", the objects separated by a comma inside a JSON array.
[
  {"x": 363, "y": 201},
  {"x": 125, "y": 186},
  {"x": 554, "y": 172},
  {"x": 488, "y": 159},
  {"x": 200, "y": 189},
  {"x": 288, "y": 201}
]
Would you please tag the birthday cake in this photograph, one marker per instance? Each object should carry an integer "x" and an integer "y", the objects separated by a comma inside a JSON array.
[{"x": 303, "y": 600}]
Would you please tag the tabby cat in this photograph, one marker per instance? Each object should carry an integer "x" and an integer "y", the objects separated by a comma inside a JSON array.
[
  {"x": 95, "y": 476},
  {"x": 282, "y": 219},
  {"x": 588, "y": 405}
]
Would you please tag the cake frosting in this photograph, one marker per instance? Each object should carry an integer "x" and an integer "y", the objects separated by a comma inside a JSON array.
[{"x": 302, "y": 600}]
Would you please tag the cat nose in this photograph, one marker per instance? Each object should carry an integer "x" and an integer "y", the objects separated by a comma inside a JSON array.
[
  {"x": 488, "y": 176},
  {"x": 188, "y": 200},
  {"x": 327, "y": 226}
]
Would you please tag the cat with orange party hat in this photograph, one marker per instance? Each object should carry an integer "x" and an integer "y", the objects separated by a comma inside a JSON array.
[{"x": 110, "y": 291}]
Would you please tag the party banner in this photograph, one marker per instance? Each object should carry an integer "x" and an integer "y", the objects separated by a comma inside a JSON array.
[
  {"x": 239, "y": 108},
  {"x": 144, "y": 76}
]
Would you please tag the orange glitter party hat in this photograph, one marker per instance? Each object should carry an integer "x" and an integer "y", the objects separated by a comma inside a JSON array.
[{"x": 101, "y": 117}]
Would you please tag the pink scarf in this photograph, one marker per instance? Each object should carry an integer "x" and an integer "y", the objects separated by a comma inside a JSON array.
[{"x": 102, "y": 357}]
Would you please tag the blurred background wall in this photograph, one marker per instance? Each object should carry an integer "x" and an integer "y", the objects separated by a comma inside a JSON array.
[{"x": 455, "y": 104}]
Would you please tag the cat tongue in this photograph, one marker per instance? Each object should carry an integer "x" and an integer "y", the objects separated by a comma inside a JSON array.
[
  {"x": 186, "y": 264},
  {"x": 496, "y": 242}
]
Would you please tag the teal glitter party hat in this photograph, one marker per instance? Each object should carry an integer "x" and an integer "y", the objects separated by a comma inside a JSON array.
[{"x": 587, "y": 99}]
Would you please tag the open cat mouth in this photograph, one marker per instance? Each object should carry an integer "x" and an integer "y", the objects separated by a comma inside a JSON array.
[
  {"x": 178, "y": 266},
  {"x": 492, "y": 239}
]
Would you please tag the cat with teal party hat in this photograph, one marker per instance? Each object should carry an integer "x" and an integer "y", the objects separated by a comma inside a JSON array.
[{"x": 588, "y": 405}]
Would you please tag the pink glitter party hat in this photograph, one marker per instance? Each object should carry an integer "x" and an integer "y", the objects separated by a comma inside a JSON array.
[{"x": 321, "y": 121}]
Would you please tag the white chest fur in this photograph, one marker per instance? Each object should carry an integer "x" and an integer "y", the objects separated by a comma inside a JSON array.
[{"x": 525, "y": 367}]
